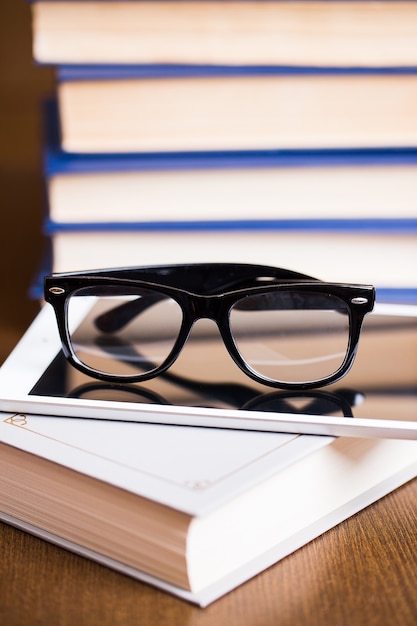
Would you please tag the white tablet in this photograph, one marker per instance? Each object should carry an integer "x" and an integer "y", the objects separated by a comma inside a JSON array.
[{"x": 377, "y": 398}]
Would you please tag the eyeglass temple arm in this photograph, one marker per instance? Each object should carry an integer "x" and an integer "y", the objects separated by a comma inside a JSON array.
[
  {"x": 233, "y": 393},
  {"x": 118, "y": 317},
  {"x": 211, "y": 277}
]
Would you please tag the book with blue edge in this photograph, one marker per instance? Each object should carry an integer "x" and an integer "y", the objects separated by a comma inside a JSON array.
[
  {"x": 217, "y": 108},
  {"x": 386, "y": 259}
]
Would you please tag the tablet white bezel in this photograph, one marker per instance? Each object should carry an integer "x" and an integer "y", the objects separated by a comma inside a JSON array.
[{"x": 40, "y": 345}]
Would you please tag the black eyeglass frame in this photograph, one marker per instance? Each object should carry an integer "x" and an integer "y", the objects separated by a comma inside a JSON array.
[{"x": 208, "y": 290}]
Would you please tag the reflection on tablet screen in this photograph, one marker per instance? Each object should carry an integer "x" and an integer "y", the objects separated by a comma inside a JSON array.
[{"x": 381, "y": 384}]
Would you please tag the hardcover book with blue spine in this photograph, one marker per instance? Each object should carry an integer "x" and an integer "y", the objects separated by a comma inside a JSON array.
[{"x": 207, "y": 108}]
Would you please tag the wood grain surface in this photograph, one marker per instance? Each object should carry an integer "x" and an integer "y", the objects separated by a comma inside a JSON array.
[{"x": 363, "y": 572}]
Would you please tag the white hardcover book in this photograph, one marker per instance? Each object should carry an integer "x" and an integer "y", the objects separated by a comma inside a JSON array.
[{"x": 193, "y": 511}]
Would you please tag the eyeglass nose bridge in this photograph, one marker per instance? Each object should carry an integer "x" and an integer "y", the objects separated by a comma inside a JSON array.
[{"x": 206, "y": 307}]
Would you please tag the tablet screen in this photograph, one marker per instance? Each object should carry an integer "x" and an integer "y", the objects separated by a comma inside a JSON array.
[{"x": 382, "y": 383}]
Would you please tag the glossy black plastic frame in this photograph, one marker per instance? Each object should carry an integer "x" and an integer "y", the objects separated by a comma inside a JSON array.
[{"x": 206, "y": 290}]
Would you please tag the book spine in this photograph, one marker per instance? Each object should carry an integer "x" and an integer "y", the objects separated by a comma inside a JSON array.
[
  {"x": 88, "y": 72},
  {"x": 376, "y": 226}
]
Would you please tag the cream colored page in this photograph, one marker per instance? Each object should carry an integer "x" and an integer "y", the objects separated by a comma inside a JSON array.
[
  {"x": 252, "y": 112},
  {"x": 312, "y": 192},
  {"x": 305, "y": 33}
]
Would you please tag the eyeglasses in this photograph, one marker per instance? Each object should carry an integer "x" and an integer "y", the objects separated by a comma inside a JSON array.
[{"x": 282, "y": 328}]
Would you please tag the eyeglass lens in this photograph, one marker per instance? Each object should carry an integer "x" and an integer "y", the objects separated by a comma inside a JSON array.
[
  {"x": 125, "y": 332},
  {"x": 289, "y": 337},
  {"x": 292, "y": 337}
]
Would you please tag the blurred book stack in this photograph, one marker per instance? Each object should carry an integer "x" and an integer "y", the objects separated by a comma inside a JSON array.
[{"x": 282, "y": 133}]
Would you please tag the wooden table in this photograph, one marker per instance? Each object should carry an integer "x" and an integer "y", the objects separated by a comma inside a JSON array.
[{"x": 363, "y": 572}]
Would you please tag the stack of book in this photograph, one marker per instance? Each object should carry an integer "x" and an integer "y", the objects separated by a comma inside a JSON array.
[{"x": 282, "y": 133}]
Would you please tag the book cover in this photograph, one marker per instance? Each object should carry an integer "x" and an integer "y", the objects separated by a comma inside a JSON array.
[{"x": 173, "y": 475}]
